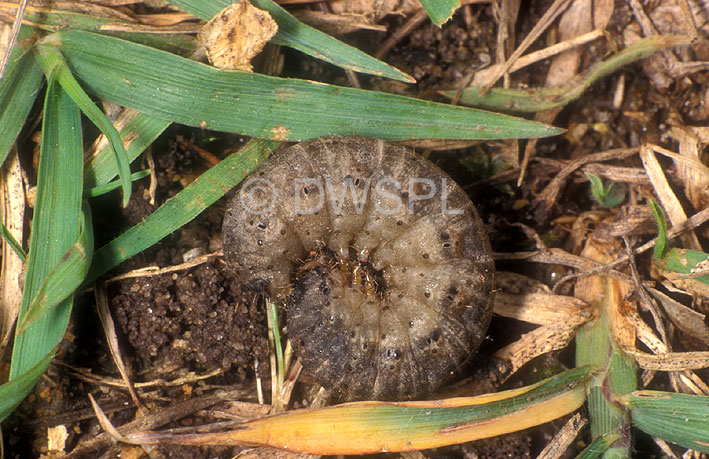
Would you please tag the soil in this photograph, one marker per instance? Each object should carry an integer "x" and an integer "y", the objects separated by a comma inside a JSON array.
[{"x": 196, "y": 331}]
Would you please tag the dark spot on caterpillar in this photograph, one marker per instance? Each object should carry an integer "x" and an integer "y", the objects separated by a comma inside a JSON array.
[{"x": 334, "y": 268}]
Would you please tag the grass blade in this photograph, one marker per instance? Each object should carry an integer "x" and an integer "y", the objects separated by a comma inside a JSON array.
[
  {"x": 678, "y": 418},
  {"x": 53, "y": 19},
  {"x": 598, "y": 446},
  {"x": 295, "y": 34},
  {"x": 55, "y": 228},
  {"x": 170, "y": 87},
  {"x": 662, "y": 243},
  {"x": 372, "y": 427},
  {"x": 110, "y": 186},
  {"x": 440, "y": 11},
  {"x": 538, "y": 99},
  {"x": 15, "y": 390},
  {"x": 138, "y": 133},
  {"x": 52, "y": 60},
  {"x": 65, "y": 277},
  {"x": 182, "y": 208},
  {"x": 12, "y": 242},
  {"x": 685, "y": 261},
  {"x": 18, "y": 89}
]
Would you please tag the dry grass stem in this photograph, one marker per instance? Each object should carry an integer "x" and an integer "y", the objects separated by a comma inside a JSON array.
[
  {"x": 556, "y": 448},
  {"x": 109, "y": 329},
  {"x": 544, "y": 22},
  {"x": 666, "y": 195},
  {"x": 151, "y": 271},
  {"x": 12, "y": 212}
]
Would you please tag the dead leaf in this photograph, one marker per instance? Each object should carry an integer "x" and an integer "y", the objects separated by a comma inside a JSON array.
[
  {"x": 686, "y": 319},
  {"x": 374, "y": 10},
  {"x": 12, "y": 215},
  {"x": 236, "y": 35}
]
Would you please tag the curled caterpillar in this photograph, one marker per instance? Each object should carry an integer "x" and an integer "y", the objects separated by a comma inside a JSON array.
[{"x": 380, "y": 258}]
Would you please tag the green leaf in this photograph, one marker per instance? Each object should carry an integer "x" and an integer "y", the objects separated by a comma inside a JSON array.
[
  {"x": 52, "y": 61},
  {"x": 54, "y": 19},
  {"x": 170, "y": 87},
  {"x": 110, "y": 186},
  {"x": 14, "y": 391},
  {"x": 296, "y": 35},
  {"x": 55, "y": 228},
  {"x": 65, "y": 277},
  {"x": 608, "y": 196},
  {"x": 598, "y": 446},
  {"x": 18, "y": 89},
  {"x": 685, "y": 261},
  {"x": 12, "y": 242},
  {"x": 272, "y": 316},
  {"x": 677, "y": 418},
  {"x": 440, "y": 11},
  {"x": 183, "y": 207},
  {"x": 373, "y": 427},
  {"x": 140, "y": 132},
  {"x": 661, "y": 244}
]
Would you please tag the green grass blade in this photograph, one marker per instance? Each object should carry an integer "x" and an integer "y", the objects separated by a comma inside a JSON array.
[
  {"x": 183, "y": 207},
  {"x": 373, "y": 427},
  {"x": 608, "y": 196},
  {"x": 272, "y": 316},
  {"x": 53, "y": 19},
  {"x": 295, "y": 34},
  {"x": 65, "y": 277},
  {"x": 15, "y": 390},
  {"x": 598, "y": 446},
  {"x": 140, "y": 132},
  {"x": 662, "y": 244},
  {"x": 18, "y": 89},
  {"x": 538, "y": 99},
  {"x": 684, "y": 261},
  {"x": 52, "y": 60},
  {"x": 110, "y": 186},
  {"x": 678, "y": 418},
  {"x": 12, "y": 242},
  {"x": 55, "y": 228},
  {"x": 170, "y": 87},
  {"x": 440, "y": 11}
]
